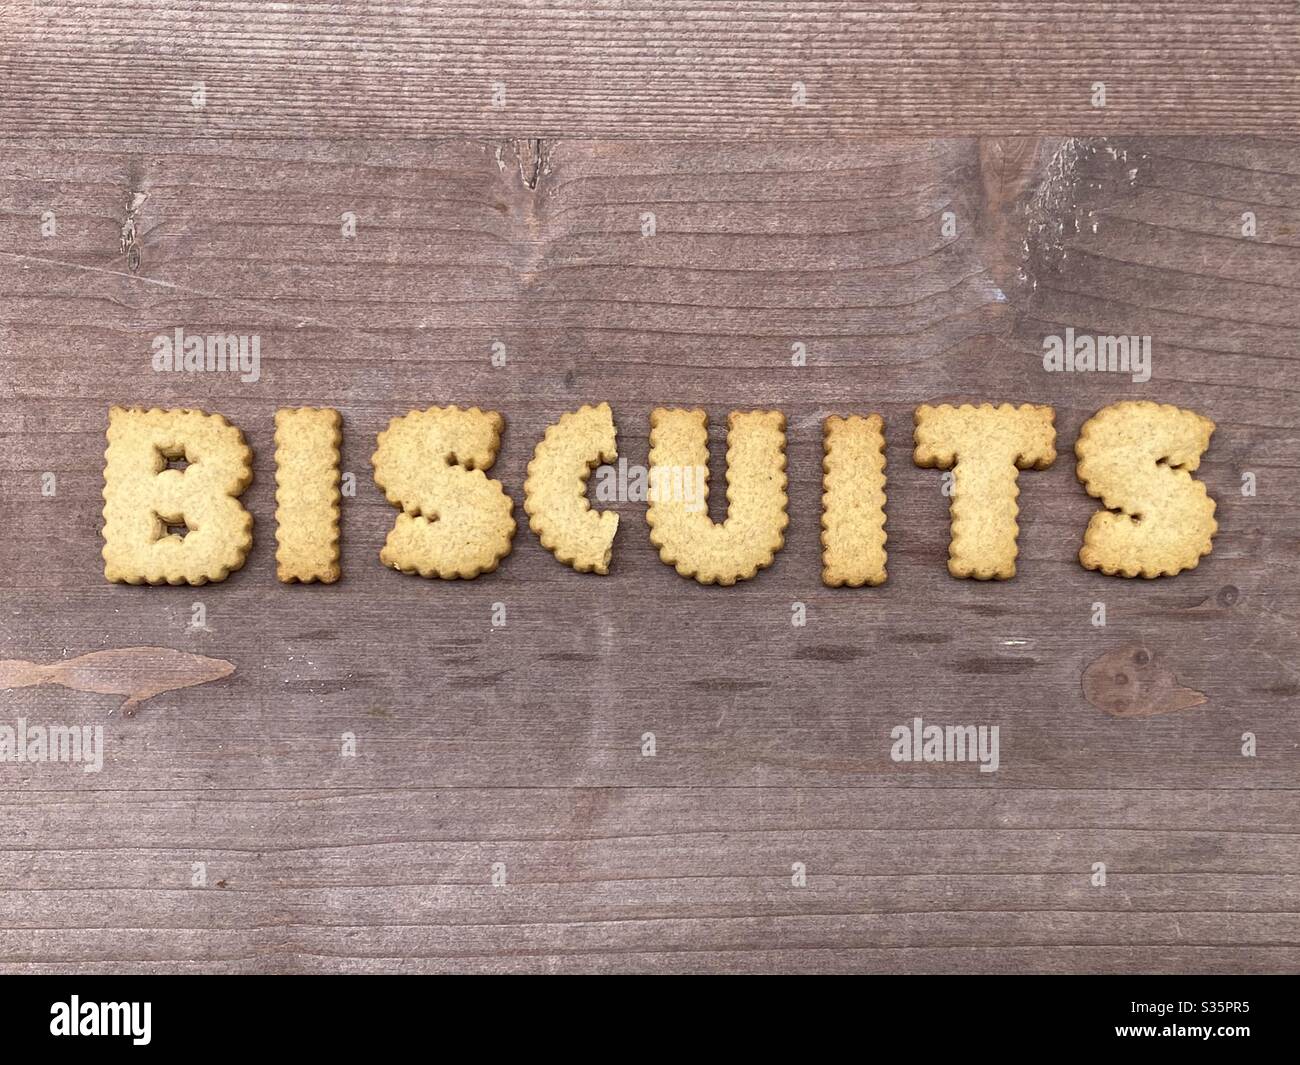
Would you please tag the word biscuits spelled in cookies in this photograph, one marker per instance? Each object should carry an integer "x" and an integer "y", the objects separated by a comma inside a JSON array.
[{"x": 172, "y": 481}]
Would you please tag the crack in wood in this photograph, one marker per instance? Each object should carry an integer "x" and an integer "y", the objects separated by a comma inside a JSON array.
[
  {"x": 129, "y": 241},
  {"x": 532, "y": 157}
]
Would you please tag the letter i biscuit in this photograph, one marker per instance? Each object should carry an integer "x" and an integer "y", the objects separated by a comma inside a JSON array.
[
  {"x": 307, "y": 443},
  {"x": 853, "y": 501}
]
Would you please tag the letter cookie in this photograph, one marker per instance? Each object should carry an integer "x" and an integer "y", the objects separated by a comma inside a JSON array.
[
  {"x": 307, "y": 443},
  {"x": 679, "y": 489},
  {"x": 555, "y": 492},
  {"x": 984, "y": 446},
  {"x": 1138, "y": 459},
  {"x": 142, "y": 497},
  {"x": 853, "y": 501},
  {"x": 454, "y": 521}
]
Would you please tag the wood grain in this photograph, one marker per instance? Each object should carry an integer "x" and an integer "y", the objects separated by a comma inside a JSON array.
[
  {"x": 706, "y": 69},
  {"x": 522, "y": 744}
]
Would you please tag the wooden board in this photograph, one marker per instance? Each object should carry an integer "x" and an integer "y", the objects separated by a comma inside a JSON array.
[
  {"x": 522, "y": 744},
  {"x": 706, "y": 69}
]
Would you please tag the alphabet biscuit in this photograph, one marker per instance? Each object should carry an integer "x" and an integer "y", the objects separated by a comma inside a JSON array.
[
  {"x": 455, "y": 523},
  {"x": 1138, "y": 459},
  {"x": 853, "y": 501},
  {"x": 143, "y": 497},
  {"x": 555, "y": 491},
  {"x": 985, "y": 447},
  {"x": 307, "y": 443},
  {"x": 680, "y": 526}
]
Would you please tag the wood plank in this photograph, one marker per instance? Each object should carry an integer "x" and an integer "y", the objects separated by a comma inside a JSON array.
[
  {"x": 593, "y": 874},
  {"x": 522, "y": 744},
  {"x": 707, "y": 69}
]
